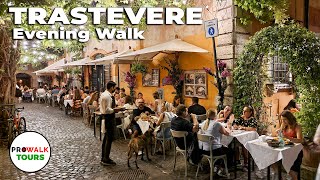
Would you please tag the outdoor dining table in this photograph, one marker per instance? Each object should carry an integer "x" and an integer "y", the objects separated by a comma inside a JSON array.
[
  {"x": 264, "y": 155},
  {"x": 67, "y": 104},
  {"x": 243, "y": 137},
  {"x": 145, "y": 125},
  {"x": 99, "y": 115}
]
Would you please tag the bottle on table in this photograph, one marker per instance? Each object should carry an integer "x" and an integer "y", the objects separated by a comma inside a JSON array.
[{"x": 281, "y": 141}]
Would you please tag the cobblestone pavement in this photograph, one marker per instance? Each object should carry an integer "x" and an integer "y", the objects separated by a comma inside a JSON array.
[{"x": 76, "y": 153}]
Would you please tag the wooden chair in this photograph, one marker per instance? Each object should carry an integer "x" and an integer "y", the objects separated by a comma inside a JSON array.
[{"x": 77, "y": 107}]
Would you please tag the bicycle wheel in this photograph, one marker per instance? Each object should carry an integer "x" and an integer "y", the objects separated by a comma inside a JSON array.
[{"x": 22, "y": 125}]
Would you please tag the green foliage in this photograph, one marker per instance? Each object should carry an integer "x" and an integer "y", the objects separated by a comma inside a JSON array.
[
  {"x": 296, "y": 46},
  {"x": 265, "y": 10},
  {"x": 138, "y": 67}
]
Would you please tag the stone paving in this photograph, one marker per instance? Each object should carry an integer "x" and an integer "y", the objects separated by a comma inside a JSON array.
[{"x": 76, "y": 153}]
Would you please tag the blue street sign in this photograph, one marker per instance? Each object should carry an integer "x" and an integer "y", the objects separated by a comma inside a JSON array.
[{"x": 211, "y": 31}]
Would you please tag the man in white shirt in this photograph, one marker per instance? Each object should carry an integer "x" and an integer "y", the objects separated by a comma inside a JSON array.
[
  {"x": 41, "y": 92},
  {"x": 107, "y": 103}
]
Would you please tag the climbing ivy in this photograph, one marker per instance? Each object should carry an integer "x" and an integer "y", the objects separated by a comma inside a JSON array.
[
  {"x": 296, "y": 46},
  {"x": 264, "y": 10}
]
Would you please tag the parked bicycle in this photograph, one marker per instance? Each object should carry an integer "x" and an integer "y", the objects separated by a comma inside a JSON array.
[{"x": 16, "y": 123}]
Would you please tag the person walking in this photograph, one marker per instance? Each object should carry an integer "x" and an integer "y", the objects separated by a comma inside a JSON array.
[{"x": 107, "y": 105}]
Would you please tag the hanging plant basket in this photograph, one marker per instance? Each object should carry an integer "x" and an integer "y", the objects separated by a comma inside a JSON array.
[{"x": 138, "y": 67}]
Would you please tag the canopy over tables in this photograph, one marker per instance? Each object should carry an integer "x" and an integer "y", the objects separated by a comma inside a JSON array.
[
  {"x": 109, "y": 59},
  {"x": 53, "y": 68},
  {"x": 170, "y": 47},
  {"x": 81, "y": 62}
]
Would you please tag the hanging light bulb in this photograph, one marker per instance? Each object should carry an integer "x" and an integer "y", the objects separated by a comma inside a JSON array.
[{"x": 25, "y": 59}]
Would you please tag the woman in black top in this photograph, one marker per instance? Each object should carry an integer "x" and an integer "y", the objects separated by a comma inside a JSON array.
[{"x": 246, "y": 122}]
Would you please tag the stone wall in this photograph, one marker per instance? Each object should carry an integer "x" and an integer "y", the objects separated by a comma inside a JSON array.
[{"x": 231, "y": 39}]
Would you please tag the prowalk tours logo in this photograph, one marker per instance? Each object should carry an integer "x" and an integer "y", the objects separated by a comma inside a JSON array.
[{"x": 30, "y": 151}]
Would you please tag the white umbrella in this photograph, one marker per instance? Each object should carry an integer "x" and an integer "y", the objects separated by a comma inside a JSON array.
[
  {"x": 108, "y": 59},
  {"x": 81, "y": 62},
  {"x": 53, "y": 68},
  {"x": 176, "y": 45}
]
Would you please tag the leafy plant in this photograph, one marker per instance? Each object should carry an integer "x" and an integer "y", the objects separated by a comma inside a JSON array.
[
  {"x": 175, "y": 75},
  {"x": 138, "y": 67},
  {"x": 296, "y": 46},
  {"x": 265, "y": 11}
]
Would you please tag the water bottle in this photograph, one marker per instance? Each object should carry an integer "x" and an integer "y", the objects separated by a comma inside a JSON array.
[{"x": 281, "y": 141}]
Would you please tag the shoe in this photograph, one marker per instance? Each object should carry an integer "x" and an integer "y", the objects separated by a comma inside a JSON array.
[
  {"x": 222, "y": 173},
  {"x": 108, "y": 163},
  {"x": 111, "y": 162},
  {"x": 139, "y": 153}
]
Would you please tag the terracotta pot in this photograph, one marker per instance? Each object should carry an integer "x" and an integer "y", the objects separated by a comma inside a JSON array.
[{"x": 311, "y": 155}]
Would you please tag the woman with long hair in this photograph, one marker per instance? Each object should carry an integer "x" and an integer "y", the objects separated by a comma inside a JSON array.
[
  {"x": 292, "y": 131},
  {"x": 157, "y": 103},
  {"x": 175, "y": 103},
  {"x": 214, "y": 128},
  {"x": 226, "y": 115},
  {"x": 77, "y": 95}
]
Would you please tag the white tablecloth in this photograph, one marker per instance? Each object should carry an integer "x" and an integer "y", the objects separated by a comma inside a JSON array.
[
  {"x": 242, "y": 136},
  {"x": 264, "y": 155},
  {"x": 66, "y": 102},
  {"x": 144, "y": 125}
]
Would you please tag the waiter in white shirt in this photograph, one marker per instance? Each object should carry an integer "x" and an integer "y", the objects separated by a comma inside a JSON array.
[{"x": 107, "y": 105}]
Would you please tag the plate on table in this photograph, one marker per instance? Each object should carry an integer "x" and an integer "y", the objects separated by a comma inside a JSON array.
[
  {"x": 287, "y": 142},
  {"x": 273, "y": 143}
]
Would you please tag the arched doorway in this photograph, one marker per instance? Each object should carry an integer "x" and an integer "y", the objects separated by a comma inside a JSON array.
[{"x": 23, "y": 79}]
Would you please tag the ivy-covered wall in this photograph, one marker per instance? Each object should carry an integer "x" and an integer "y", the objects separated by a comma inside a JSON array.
[{"x": 299, "y": 48}]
